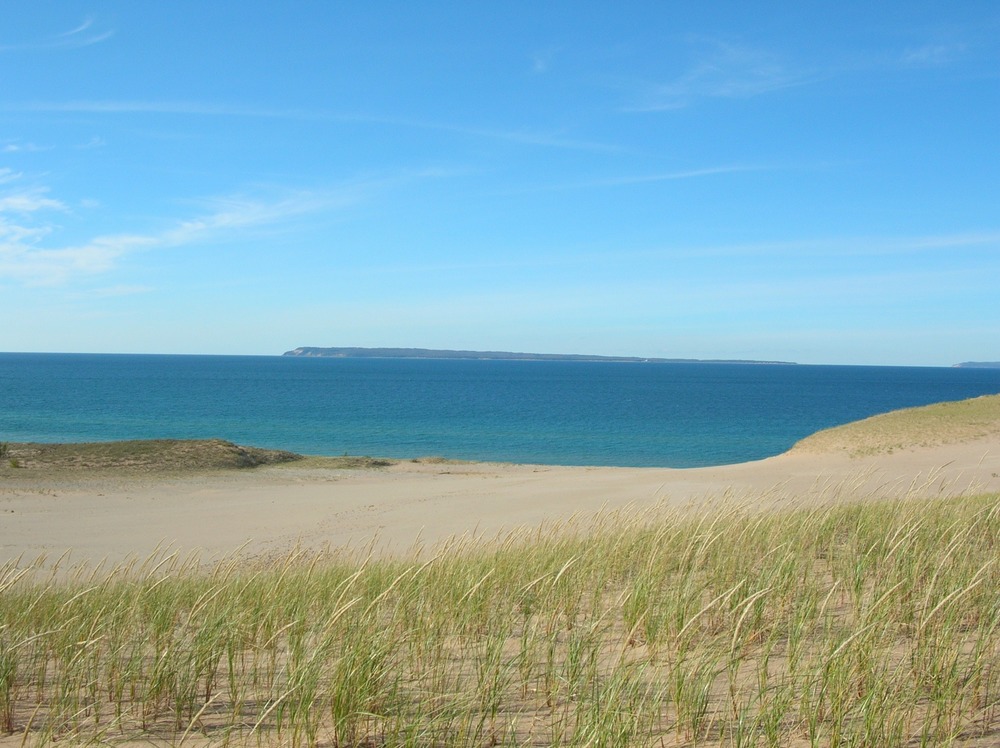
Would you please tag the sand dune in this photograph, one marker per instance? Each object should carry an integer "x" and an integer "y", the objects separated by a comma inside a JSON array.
[{"x": 273, "y": 508}]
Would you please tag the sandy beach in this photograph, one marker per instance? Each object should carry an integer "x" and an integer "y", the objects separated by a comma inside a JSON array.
[
  {"x": 272, "y": 509},
  {"x": 154, "y": 594}
]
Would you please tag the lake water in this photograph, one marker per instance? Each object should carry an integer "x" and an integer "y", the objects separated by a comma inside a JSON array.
[{"x": 547, "y": 412}]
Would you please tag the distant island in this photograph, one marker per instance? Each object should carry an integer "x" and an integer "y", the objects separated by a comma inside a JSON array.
[
  {"x": 311, "y": 352},
  {"x": 978, "y": 365}
]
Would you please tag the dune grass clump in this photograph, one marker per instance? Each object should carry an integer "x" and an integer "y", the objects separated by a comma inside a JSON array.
[{"x": 870, "y": 624}]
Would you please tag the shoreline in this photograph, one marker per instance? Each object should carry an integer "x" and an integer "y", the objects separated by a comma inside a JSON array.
[
  {"x": 112, "y": 502},
  {"x": 112, "y": 517}
]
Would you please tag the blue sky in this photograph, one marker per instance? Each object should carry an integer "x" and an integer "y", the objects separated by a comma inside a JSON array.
[{"x": 803, "y": 181}]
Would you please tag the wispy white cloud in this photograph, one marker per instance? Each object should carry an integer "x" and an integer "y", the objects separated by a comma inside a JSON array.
[
  {"x": 28, "y": 202},
  {"x": 531, "y": 137},
  {"x": 76, "y": 31},
  {"x": 94, "y": 142},
  {"x": 526, "y": 137},
  {"x": 26, "y": 258},
  {"x": 35, "y": 266},
  {"x": 82, "y": 35},
  {"x": 138, "y": 106},
  {"x": 229, "y": 215},
  {"x": 18, "y": 147},
  {"x": 14, "y": 235},
  {"x": 671, "y": 176},
  {"x": 24, "y": 225},
  {"x": 723, "y": 69},
  {"x": 541, "y": 59},
  {"x": 637, "y": 179},
  {"x": 930, "y": 55}
]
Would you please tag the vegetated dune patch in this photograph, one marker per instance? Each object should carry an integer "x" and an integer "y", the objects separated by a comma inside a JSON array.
[
  {"x": 152, "y": 457},
  {"x": 146, "y": 455},
  {"x": 910, "y": 428}
]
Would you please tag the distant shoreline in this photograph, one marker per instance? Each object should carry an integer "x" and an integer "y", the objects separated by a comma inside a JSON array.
[{"x": 430, "y": 353}]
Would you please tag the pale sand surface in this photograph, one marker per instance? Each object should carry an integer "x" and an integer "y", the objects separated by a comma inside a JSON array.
[{"x": 273, "y": 509}]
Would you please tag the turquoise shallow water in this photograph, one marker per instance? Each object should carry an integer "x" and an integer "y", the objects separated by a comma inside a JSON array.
[{"x": 549, "y": 412}]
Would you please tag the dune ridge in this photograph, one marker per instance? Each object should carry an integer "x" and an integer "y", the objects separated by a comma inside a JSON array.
[{"x": 926, "y": 426}]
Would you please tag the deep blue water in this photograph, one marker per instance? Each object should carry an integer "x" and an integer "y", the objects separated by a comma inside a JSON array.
[{"x": 569, "y": 413}]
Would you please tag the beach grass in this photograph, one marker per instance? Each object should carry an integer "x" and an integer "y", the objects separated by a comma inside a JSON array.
[
  {"x": 925, "y": 426},
  {"x": 864, "y": 624}
]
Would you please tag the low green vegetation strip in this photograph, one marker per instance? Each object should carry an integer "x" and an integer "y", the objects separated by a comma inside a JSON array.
[
  {"x": 872, "y": 624},
  {"x": 150, "y": 455},
  {"x": 927, "y": 426}
]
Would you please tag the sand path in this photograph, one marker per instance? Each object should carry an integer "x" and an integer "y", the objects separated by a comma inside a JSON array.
[{"x": 271, "y": 510}]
